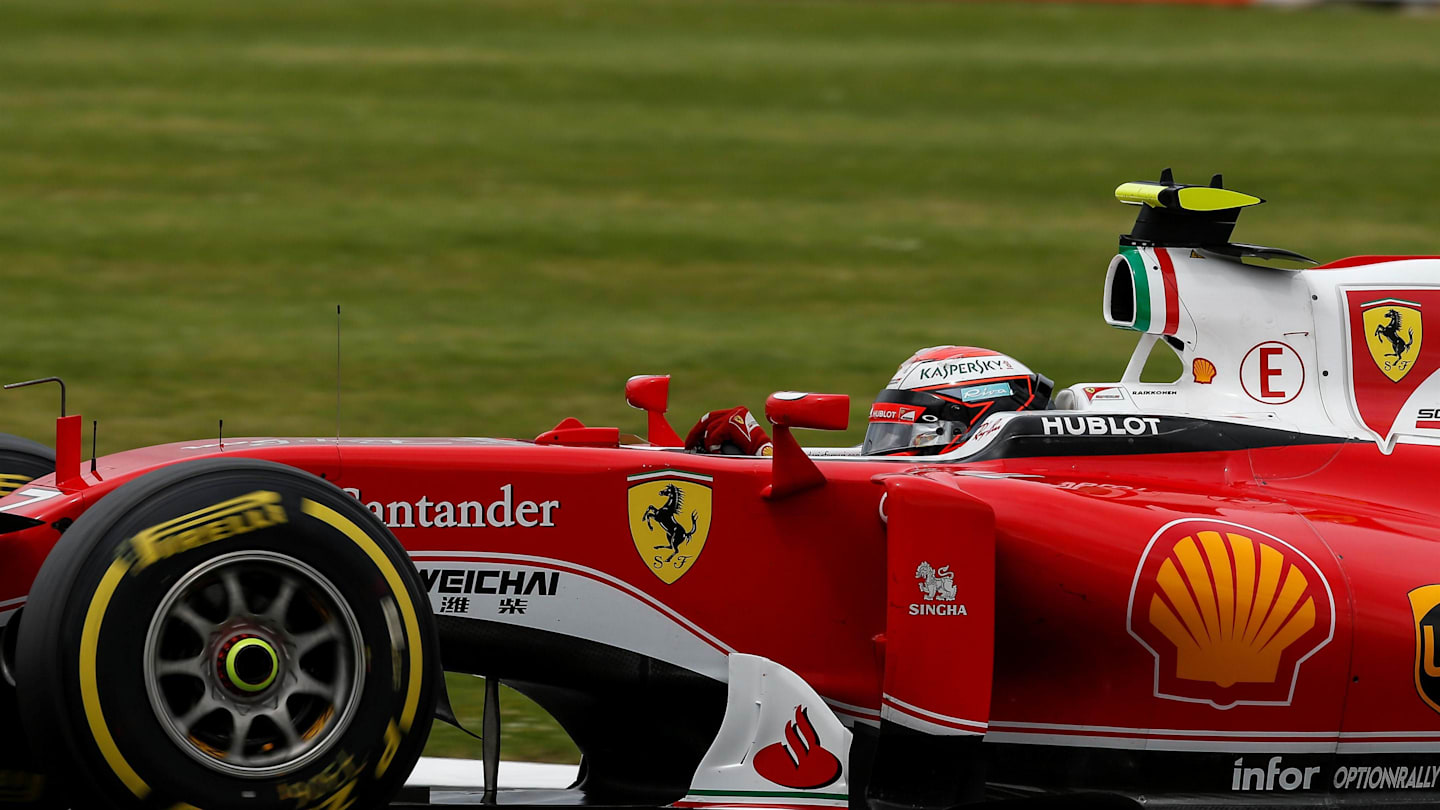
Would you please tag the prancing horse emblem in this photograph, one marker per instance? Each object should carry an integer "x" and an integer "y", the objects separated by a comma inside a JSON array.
[
  {"x": 669, "y": 520},
  {"x": 664, "y": 515},
  {"x": 1390, "y": 330},
  {"x": 1394, "y": 327}
]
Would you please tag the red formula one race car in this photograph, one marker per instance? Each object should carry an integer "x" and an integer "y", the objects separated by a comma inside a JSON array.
[{"x": 1218, "y": 591}]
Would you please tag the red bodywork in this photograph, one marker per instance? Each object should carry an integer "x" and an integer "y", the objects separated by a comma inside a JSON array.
[{"x": 1066, "y": 567}]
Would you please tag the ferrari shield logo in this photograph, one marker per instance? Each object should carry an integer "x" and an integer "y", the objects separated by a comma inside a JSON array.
[
  {"x": 1394, "y": 327},
  {"x": 669, "y": 520},
  {"x": 1425, "y": 605},
  {"x": 1388, "y": 362}
]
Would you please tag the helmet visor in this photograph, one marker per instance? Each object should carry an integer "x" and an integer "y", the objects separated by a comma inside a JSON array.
[
  {"x": 885, "y": 437},
  {"x": 938, "y": 420},
  {"x": 904, "y": 420}
]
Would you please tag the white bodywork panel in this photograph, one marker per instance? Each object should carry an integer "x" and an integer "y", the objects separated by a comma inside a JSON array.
[
  {"x": 1274, "y": 345},
  {"x": 775, "y": 723}
]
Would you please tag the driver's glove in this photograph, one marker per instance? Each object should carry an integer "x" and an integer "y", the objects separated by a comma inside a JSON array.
[{"x": 732, "y": 432}]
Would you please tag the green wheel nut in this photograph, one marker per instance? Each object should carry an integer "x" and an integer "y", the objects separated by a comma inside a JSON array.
[{"x": 259, "y": 668}]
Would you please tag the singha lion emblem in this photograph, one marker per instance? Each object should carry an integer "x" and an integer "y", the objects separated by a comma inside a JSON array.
[
  {"x": 675, "y": 534},
  {"x": 936, "y": 584}
]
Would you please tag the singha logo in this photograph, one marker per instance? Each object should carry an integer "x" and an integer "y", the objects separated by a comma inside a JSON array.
[
  {"x": 1390, "y": 330},
  {"x": 936, "y": 585},
  {"x": 664, "y": 515}
]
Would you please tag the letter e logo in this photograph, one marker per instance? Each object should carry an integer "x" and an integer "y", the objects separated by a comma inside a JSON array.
[{"x": 1272, "y": 373}]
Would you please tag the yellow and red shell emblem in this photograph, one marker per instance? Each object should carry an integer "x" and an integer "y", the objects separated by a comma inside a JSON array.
[
  {"x": 1203, "y": 370},
  {"x": 1228, "y": 612}
]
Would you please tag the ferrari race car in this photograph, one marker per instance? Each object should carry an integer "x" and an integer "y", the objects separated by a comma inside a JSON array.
[{"x": 1219, "y": 591}]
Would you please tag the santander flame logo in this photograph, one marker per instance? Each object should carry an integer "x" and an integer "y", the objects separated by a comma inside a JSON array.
[
  {"x": 800, "y": 761},
  {"x": 1230, "y": 613}
]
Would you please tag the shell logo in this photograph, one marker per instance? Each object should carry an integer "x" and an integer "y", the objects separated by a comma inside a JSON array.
[
  {"x": 1229, "y": 613},
  {"x": 1203, "y": 370}
]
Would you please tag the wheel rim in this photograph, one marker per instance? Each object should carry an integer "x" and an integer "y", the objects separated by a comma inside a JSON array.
[{"x": 253, "y": 664}]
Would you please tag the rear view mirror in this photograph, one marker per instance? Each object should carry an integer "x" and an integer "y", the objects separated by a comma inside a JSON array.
[
  {"x": 792, "y": 471},
  {"x": 793, "y": 409},
  {"x": 648, "y": 392},
  {"x": 651, "y": 394}
]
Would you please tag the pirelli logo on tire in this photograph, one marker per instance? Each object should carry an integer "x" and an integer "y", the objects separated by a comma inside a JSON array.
[{"x": 248, "y": 513}]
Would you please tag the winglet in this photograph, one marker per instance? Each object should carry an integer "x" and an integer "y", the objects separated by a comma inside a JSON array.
[{"x": 1181, "y": 215}]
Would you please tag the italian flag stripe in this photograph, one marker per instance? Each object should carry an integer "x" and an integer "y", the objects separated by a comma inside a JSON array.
[
  {"x": 688, "y": 476},
  {"x": 1172, "y": 292},
  {"x": 1142, "y": 287},
  {"x": 1157, "y": 295}
]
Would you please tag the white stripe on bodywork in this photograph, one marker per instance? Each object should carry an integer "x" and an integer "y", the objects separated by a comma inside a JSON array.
[
  {"x": 1177, "y": 732},
  {"x": 596, "y": 606},
  {"x": 861, "y": 714},
  {"x": 910, "y": 721},
  {"x": 1154, "y": 744},
  {"x": 916, "y": 710},
  {"x": 1121, "y": 737}
]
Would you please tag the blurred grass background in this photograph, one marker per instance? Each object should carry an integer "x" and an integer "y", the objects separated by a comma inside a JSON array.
[{"x": 520, "y": 204}]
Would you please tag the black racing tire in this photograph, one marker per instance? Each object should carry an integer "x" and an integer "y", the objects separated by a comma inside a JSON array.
[
  {"x": 21, "y": 782},
  {"x": 22, "y": 461},
  {"x": 169, "y": 594}
]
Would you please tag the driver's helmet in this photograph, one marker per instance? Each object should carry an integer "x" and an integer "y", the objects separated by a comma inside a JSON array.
[{"x": 940, "y": 395}]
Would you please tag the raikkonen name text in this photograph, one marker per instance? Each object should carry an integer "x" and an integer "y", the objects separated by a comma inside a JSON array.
[{"x": 502, "y": 512}]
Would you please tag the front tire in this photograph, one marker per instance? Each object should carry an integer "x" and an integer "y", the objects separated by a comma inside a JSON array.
[
  {"x": 22, "y": 461},
  {"x": 21, "y": 782},
  {"x": 228, "y": 634}
]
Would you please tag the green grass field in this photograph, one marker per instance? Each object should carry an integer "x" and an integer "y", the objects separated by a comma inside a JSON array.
[{"x": 520, "y": 204}]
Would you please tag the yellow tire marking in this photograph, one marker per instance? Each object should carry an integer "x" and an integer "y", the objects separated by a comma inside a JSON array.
[
  {"x": 95, "y": 616},
  {"x": 348, "y": 528},
  {"x": 89, "y": 686},
  {"x": 11, "y": 482}
]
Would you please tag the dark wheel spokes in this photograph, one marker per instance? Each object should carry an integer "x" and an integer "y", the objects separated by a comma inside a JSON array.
[{"x": 253, "y": 663}]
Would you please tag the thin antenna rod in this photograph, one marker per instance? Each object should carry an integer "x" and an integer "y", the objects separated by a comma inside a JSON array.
[
  {"x": 94, "y": 432},
  {"x": 337, "y": 373}
]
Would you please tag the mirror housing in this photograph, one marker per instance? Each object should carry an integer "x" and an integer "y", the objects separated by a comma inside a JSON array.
[
  {"x": 651, "y": 394},
  {"x": 648, "y": 392},
  {"x": 793, "y": 409},
  {"x": 792, "y": 471}
]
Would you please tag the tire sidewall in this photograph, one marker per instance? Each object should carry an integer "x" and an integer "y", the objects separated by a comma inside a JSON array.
[
  {"x": 22, "y": 459},
  {"x": 115, "y": 585}
]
